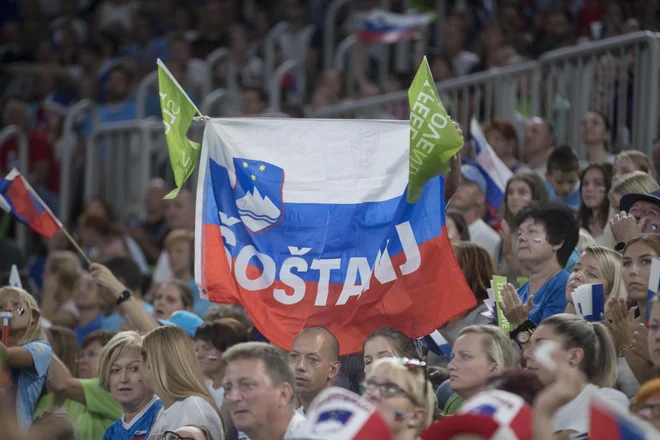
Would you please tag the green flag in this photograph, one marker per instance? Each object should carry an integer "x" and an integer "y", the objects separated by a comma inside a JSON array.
[
  {"x": 498, "y": 284},
  {"x": 433, "y": 138},
  {"x": 178, "y": 112}
]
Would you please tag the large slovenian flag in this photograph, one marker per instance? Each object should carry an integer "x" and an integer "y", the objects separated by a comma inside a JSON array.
[
  {"x": 305, "y": 223},
  {"x": 19, "y": 200},
  {"x": 610, "y": 423},
  {"x": 497, "y": 174},
  {"x": 381, "y": 26}
]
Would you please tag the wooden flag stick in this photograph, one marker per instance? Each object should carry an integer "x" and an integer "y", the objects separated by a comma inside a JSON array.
[{"x": 75, "y": 245}]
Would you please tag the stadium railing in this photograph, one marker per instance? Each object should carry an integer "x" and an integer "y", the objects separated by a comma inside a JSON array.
[{"x": 13, "y": 132}]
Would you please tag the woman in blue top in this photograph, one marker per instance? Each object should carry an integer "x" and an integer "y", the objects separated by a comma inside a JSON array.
[
  {"x": 547, "y": 234},
  {"x": 119, "y": 373},
  {"x": 28, "y": 354}
]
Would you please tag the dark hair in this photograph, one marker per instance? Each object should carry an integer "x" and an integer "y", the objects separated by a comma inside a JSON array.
[
  {"x": 563, "y": 159},
  {"x": 602, "y": 212},
  {"x": 185, "y": 292},
  {"x": 101, "y": 336},
  {"x": 261, "y": 93},
  {"x": 461, "y": 224},
  {"x": 128, "y": 74},
  {"x": 402, "y": 344},
  {"x": 233, "y": 311},
  {"x": 602, "y": 115},
  {"x": 650, "y": 240},
  {"x": 334, "y": 343},
  {"x": 507, "y": 130},
  {"x": 560, "y": 224},
  {"x": 536, "y": 186},
  {"x": 223, "y": 333},
  {"x": 58, "y": 423},
  {"x": 523, "y": 383},
  {"x": 477, "y": 267},
  {"x": 65, "y": 346},
  {"x": 127, "y": 271}
]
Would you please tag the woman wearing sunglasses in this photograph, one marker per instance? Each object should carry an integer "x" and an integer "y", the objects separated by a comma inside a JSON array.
[
  {"x": 401, "y": 391},
  {"x": 190, "y": 432}
]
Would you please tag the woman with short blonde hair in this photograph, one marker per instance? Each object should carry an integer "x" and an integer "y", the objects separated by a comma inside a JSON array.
[
  {"x": 402, "y": 393},
  {"x": 178, "y": 381}
]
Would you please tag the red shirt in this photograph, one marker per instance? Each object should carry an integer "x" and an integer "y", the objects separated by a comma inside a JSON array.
[{"x": 39, "y": 150}]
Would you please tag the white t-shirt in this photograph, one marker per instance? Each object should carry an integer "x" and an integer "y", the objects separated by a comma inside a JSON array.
[
  {"x": 296, "y": 426},
  {"x": 217, "y": 394},
  {"x": 574, "y": 416},
  {"x": 486, "y": 237},
  {"x": 190, "y": 411}
]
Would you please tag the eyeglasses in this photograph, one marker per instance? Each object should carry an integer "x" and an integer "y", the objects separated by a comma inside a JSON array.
[
  {"x": 389, "y": 389},
  {"x": 169, "y": 435}
]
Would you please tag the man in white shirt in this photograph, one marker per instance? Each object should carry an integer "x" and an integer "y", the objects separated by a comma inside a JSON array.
[
  {"x": 470, "y": 200},
  {"x": 538, "y": 145},
  {"x": 259, "y": 384},
  {"x": 314, "y": 357}
]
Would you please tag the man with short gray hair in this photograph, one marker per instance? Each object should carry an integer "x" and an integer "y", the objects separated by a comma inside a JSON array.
[{"x": 259, "y": 389}]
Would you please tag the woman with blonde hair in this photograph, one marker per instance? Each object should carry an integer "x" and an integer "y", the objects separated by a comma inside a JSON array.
[
  {"x": 120, "y": 375},
  {"x": 629, "y": 161},
  {"x": 402, "y": 393},
  {"x": 28, "y": 356},
  {"x": 637, "y": 182},
  {"x": 178, "y": 381},
  {"x": 60, "y": 276},
  {"x": 480, "y": 353}
]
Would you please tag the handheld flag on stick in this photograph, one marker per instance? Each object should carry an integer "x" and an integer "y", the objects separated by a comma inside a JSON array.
[
  {"x": 654, "y": 280},
  {"x": 433, "y": 138},
  {"x": 178, "y": 112},
  {"x": 389, "y": 27},
  {"x": 14, "y": 277}
]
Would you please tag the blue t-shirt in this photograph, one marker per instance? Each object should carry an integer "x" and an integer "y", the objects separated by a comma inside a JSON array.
[
  {"x": 29, "y": 382},
  {"x": 82, "y": 332},
  {"x": 114, "y": 322},
  {"x": 139, "y": 427},
  {"x": 572, "y": 201},
  {"x": 549, "y": 300}
]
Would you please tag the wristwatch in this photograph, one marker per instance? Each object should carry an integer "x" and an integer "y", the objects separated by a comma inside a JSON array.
[
  {"x": 124, "y": 296},
  {"x": 523, "y": 332}
]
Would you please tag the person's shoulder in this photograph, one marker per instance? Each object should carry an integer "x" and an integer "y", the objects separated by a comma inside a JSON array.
[
  {"x": 615, "y": 397},
  {"x": 39, "y": 346}
]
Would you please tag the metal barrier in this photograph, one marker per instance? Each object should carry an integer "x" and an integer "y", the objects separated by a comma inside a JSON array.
[
  {"x": 148, "y": 83},
  {"x": 329, "y": 31},
  {"x": 13, "y": 132},
  {"x": 275, "y": 84}
]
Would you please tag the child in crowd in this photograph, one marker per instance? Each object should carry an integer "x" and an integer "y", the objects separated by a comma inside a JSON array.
[
  {"x": 562, "y": 177},
  {"x": 28, "y": 355},
  {"x": 57, "y": 305}
]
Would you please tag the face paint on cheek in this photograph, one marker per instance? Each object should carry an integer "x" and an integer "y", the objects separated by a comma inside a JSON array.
[
  {"x": 212, "y": 358},
  {"x": 654, "y": 227},
  {"x": 537, "y": 240},
  {"x": 20, "y": 311}
]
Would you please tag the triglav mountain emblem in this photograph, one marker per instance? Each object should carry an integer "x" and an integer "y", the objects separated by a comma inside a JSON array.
[{"x": 258, "y": 193}]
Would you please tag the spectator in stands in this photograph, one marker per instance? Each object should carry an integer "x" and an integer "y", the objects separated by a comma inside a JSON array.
[
  {"x": 453, "y": 44},
  {"x": 65, "y": 346},
  {"x": 91, "y": 408},
  {"x": 640, "y": 214},
  {"x": 150, "y": 235},
  {"x": 249, "y": 68},
  {"x": 171, "y": 297},
  {"x": 403, "y": 395},
  {"x": 118, "y": 106},
  {"x": 90, "y": 307},
  {"x": 254, "y": 101},
  {"x": 128, "y": 273},
  {"x": 628, "y": 161},
  {"x": 563, "y": 173},
  {"x": 180, "y": 211},
  {"x": 538, "y": 144},
  {"x": 477, "y": 267},
  {"x": 53, "y": 424},
  {"x": 314, "y": 357},
  {"x": 584, "y": 346},
  {"x": 212, "y": 339},
  {"x": 521, "y": 189},
  {"x": 178, "y": 382},
  {"x": 595, "y": 184},
  {"x": 69, "y": 17},
  {"x": 457, "y": 228},
  {"x": 547, "y": 235},
  {"x": 214, "y": 20},
  {"x": 145, "y": 47},
  {"x": 557, "y": 33},
  {"x": 480, "y": 353},
  {"x": 57, "y": 305},
  {"x": 119, "y": 374},
  {"x": 502, "y": 137},
  {"x": 621, "y": 321},
  {"x": 27, "y": 356},
  {"x": 116, "y": 243},
  {"x": 259, "y": 384},
  {"x": 387, "y": 342},
  {"x": 115, "y": 16},
  {"x": 647, "y": 403},
  {"x": 191, "y": 72},
  {"x": 470, "y": 200},
  {"x": 441, "y": 67},
  {"x": 43, "y": 166},
  {"x": 220, "y": 311},
  {"x": 595, "y": 134}
]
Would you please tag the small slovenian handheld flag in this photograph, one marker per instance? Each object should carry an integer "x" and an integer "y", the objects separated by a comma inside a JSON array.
[
  {"x": 589, "y": 301},
  {"x": 654, "y": 281},
  {"x": 21, "y": 202},
  {"x": 610, "y": 423},
  {"x": 438, "y": 344},
  {"x": 388, "y": 27},
  {"x": 497, "y": 174}
]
